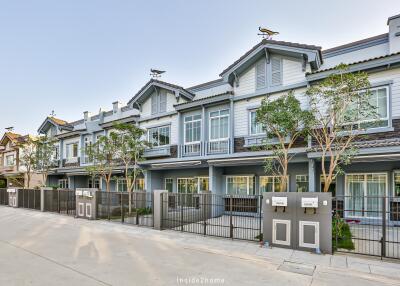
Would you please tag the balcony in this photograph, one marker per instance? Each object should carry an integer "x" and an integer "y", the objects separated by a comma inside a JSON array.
[
  {"x": 192, "y": 149},
  {"x": 5, "y": 169},
  {"x": 71, "y": 162},
  {"x": 161, "y": 151},
  {"x": 218, "y": 147}
]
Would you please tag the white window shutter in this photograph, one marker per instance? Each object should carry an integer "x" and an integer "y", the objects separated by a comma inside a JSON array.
[
  {"x": 261, "y": 74},
  {"x": 163, "y": 101},
  {"x": 276, "y": 71},
  {"x": 154, "y": 103}
]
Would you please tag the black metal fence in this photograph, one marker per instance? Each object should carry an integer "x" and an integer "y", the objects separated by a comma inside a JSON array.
[
  {"x": 3, "y": 197},
  {"x": 367, "y": 225},
  {"x": 29, "y": 198},
  {"x": 131, "y": 208},
  {"x": 60, "y": 201},
  {"x": 230, "y": 216}
]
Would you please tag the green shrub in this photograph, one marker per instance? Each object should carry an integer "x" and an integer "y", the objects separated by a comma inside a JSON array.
[{"x": 341, "y": 234}]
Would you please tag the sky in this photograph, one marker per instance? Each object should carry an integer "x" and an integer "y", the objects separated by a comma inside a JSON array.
[{"x": 72, "y": 56}]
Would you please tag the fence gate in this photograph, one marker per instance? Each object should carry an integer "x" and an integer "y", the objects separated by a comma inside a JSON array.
[
  {"x": 60, "y": 201},
  {"x": 230, "y": 216},
  {"x": 29, "y": 198},
  {"x": 367, "y": 225},
  {"x": 3, "y": 196},
  {"x": 126, "y": 207}
]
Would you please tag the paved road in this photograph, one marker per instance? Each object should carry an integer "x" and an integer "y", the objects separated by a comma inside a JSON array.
[{"x": 49, "y": 249}]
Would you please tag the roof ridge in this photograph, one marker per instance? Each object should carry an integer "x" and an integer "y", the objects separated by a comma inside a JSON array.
[{"x": 358, "y": 42}]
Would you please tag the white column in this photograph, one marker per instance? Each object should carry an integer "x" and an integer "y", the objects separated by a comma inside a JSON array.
[{"x": 311, "y": 175}]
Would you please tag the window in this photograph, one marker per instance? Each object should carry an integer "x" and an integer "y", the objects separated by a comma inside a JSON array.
[
  {"x": 332, "y": 186},
  {"x": 192, "y": 185},
  {"x": 88, "y": 143},
  {"x": 396, "y": 180},
  {"x": 63, "y": 183},
  {"x": 240, "y": 185},
  {"x": 272, "y": 184},
  {"x": 10, "y": 160},
  {"x": 159, "y": 102},
  {"x": 219, "y": 125},
  {"x": 94, "y": 183},
  {"x": 276, "y": 71},
  {"x": 364, "y": 194},
  {"x": 203, "y": 184},
  {"x": 57, "y": 152},
  {"x": 169, "y": 184},
  {"x": 192, "y": 125},
  {"x": 261, "y": 77},
  {"x": 255, "y": 127},
  {"x": 121, "y": 185},
  {"x": 139, "y": 184},
  {"x": 159, "y": 136},
  {"x": 302, "y": 183},
  {"x": 379, "y": 100},
  {"x": 72, "y": 150}
]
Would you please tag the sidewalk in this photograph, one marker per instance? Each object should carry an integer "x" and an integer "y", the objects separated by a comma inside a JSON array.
[{"x": 41, "y": 248}]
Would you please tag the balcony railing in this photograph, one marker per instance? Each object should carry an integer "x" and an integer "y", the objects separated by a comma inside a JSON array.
[
  {"x": 157, "y": 151},
  {"x": 218, "y": 147},
  {"x": 192, "y": 149}
]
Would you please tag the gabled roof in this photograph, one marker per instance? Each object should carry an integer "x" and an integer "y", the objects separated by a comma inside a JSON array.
[
  {"x": 13, "y": 137},
  {"x": 51, "y": 120},
  {"x": 313, "y": 52},
  {"x": 150, "y": 86}
]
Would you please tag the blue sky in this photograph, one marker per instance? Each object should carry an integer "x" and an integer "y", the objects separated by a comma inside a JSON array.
[{"x": 71, "y": 56}]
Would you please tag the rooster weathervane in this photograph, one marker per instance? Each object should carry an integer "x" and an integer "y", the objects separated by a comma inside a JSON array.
[
  {"x": 156, "y": 73},
  {"x": 267, "y": 33}
]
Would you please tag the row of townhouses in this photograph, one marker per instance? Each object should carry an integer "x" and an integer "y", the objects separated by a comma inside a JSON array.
[{"x": 203, "y": 136}]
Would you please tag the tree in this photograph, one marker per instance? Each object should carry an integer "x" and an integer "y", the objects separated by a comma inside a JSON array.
[
  {"x": 285, "y": 123},
  {"x": 45, "y": 151},
  {"x": 341, "y": 107},
  {"x": 130, "y": 150},
  {"x": 102, "y": 156},
  {"x": 28, "y": 157}
]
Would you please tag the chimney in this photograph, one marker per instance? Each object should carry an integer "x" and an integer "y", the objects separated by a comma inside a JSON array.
[
  {"x": 116, "y": 106},
  {"x": 101, "y": 115},
  {"x": 394, "y": 33},
  {"x": 86, "y": 115}
]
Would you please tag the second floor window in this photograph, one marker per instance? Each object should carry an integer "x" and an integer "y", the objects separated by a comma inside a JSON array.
[
  {"x": 159, "y": 102},
  {"x": 192, "y": 127},
  {"x": 219, "y": 125},
  {"x": 379, "y": 117},
  {"x": 10, "y": 160},
  {"x": 255, "y": 127},
  {"x": 159, "y": 136},
  {"x": 72, "y": 150}
]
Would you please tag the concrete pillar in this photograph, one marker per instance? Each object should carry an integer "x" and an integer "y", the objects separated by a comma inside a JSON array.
[
  {"x": 311, "y": 175},
  {"x": 180, "y": 135},
  {"x": 160, "y": 208},
  {"x": 232, "y": 127},
  {"x": 203, "y": 131},
  {"x": 211, "y": 179},
  {"x": 42, "y": 199},
  {"x": 147, "y": 180}
]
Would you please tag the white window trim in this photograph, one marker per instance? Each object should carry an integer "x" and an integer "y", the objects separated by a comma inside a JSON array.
[
  {"x": 219, "y": 116},
  {"x": 346, "y": 191},
  {"x": 239, "y": 176},
  {"x": 184, "y": 129},
  {"x": 303, "y": 223},
  {"x": 249, "y": 124},
  {"x": 70, "y": 156},
  {"x": 159, "y": 127},
  {"x": 273, "y": 183},
  {"x": 288, "y": 231},
  {"x": 388, "y": 117}
]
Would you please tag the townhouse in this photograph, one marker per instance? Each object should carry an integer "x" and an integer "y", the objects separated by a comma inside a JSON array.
[
  {"x": 12, "y": 170},
  {"x": 203, "y": 136}
]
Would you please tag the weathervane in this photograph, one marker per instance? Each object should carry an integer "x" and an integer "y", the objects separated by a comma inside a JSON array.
[
  {"x": 266, "y": 33},
  {"x": 10, "y": 129},
  {"x": 156, "y": 73},
  {"x": 52, "y": 114}
]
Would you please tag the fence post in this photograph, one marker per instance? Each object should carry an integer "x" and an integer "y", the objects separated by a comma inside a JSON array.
[
  {"x": 182, "y": 210},
  {"x": 58, "y": 201},
  {"x": 42, "y": 199},
  {"x": 260, "y": 220},
  {"x": 158, "y": 208},
  {"x": 122, "y": 208},
  {"x": 231, "y": 217},
  {"x": 383, "y": 239}
]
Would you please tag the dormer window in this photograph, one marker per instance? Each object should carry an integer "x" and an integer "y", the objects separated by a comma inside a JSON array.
[{"x": 159, "y": 102}]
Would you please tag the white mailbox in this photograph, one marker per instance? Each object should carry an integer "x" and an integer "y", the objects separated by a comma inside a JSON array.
[
  {"x": 78, "y": 193},
  {"x": 279, "y": 201},
  {"x": 11, "y": 190},
  {"x": 87, "y": 194},
  {"x": 309, "y": 203}
]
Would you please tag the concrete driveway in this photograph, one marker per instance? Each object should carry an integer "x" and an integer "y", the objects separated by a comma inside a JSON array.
[{"x": 49, "y": 249}]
